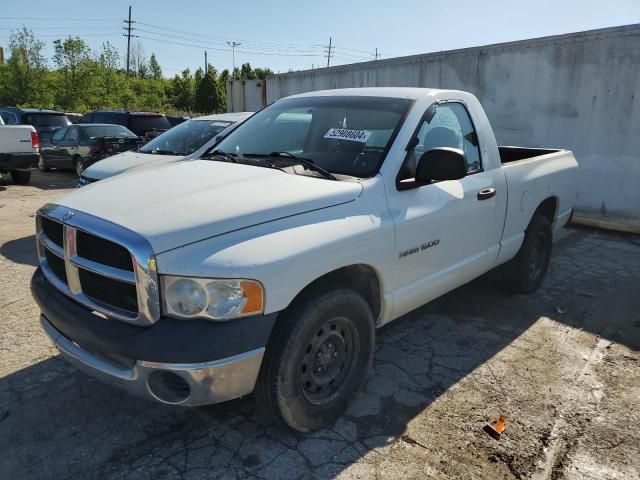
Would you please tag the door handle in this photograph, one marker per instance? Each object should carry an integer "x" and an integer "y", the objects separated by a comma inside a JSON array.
[{"x": 486, "y": 193}]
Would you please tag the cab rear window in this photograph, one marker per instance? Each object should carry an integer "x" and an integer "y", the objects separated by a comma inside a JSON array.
[{"x": 46, "y": 120}]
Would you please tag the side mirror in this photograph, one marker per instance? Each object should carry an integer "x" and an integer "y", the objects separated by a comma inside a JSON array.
[{"x": 442, "y": 163}]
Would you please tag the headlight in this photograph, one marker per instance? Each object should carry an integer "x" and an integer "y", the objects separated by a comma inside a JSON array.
[{"x": 190, "y": 297}]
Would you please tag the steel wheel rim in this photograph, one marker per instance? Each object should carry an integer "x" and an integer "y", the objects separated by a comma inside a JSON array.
[{"x": 328, "y": 359}]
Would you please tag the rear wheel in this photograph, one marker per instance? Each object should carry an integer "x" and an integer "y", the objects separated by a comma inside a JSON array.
[
  {"x": 42, "y": 165},
  {"x": 525, "y": 272},
  {"x": 20, "y": 177},
  {"x": 317, "y": 359},
  {"x": 78, "y": 165}
]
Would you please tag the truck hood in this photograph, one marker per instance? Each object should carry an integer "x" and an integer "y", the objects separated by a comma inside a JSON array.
[
  {"x": 184, "y": 202},
  {"x": 126, "y": 161}
]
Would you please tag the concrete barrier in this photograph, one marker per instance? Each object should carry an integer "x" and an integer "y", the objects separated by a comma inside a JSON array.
[{"x": 576, "y": 91}]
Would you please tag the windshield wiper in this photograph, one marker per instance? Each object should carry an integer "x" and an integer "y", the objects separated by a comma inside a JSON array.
[
  {"x": 159, "y": 151},
  {"x": 291, "y": 159},
  {"x": 228, "y": 157}
]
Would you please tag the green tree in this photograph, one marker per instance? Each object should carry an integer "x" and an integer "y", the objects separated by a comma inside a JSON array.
[
  {"x": 111, "y": 80},
  {"x": 183, "y": 90},
  {"x": 24, "y": 79},
  {"x": 154, "y": 67},
  {"x": 73, "y": 59},
  {"x": 262, "y": 73},
  {"x": 207, "y": 98},
  {"x": 246, "y": 72},
  {"x": 223, "y": 81}
]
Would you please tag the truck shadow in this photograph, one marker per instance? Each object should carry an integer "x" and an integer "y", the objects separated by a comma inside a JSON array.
[
  {"x": 58, "y": 422},
  {"x": 22, "y": 250},
  {"x": 53, "y": 180}
]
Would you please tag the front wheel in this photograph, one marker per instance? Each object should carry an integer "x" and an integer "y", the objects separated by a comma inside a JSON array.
[
  {"x": 525, "y": 272},
  {"x": 20, "y": 177},
  {"x": 317, "y": 359}
]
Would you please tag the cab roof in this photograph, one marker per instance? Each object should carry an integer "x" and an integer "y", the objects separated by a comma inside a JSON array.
[{"x": 411, "y": 93}]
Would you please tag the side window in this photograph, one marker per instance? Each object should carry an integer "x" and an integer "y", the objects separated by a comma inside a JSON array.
[
  {"x": 8, "y": 118},
  {"x": 59, "y": 135},
  {"x": 72, "y": 134},
  {"x": 451, "y": 127}
]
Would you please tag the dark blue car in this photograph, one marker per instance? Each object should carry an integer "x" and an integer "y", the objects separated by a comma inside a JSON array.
[{"x": 44, "y": 121}]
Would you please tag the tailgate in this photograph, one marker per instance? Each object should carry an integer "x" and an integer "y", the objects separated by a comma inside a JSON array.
[{"x": 15, "y": 139}]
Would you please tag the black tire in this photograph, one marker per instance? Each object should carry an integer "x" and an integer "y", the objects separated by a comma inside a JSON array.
[
  {"x": 331, "y": 330},
  {"x": 42, "y": 165},
  {"x": 20, "y": 177},
  {"x": 525, "y": 272},
  {"x": 78, "y": 166}
]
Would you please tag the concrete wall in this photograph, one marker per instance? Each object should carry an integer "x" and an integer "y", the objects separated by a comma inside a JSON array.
[
  {"x": 577, "y": 91},
  {"x": 245, "y": 95}
]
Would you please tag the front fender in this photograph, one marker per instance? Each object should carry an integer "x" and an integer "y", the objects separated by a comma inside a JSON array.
[{"x": 288, "y": 254}]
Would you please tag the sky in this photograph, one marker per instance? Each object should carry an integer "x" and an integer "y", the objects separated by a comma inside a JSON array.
[{"x": 293, "y": 34}]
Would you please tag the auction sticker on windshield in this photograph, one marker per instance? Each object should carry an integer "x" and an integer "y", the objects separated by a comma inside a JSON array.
[{"x": 346, "y": 134}]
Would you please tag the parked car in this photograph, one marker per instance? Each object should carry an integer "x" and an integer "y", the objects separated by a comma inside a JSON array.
[
  {"x": 74, "y": 117},
  {"x": 143, "y": 124},
  {"x": 185, "y": 140},
  {"x": 44, "y": 121},
  {"x": 268, "y": 264},
  {"x": 177, "y": 119},
  {"x": 72, "y": 146},
  {"x": 19, "y": 148}
]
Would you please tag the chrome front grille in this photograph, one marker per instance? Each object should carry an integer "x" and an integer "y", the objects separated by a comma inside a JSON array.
[{"x": 102, "y": 266}]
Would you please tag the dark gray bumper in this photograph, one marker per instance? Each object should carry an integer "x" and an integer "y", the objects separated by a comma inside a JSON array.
[
  {"x": 187, "y": 384},
  {"x": 17, "y": 161}
]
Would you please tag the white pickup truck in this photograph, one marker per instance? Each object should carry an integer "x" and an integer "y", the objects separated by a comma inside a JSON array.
[
  {"x": 267, "y": 265},
  {"x": 19, "y": 150}
]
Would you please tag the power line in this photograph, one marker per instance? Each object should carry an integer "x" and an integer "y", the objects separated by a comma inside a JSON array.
[
  {"x": 58, "y": 19},
  {"x": 219, "y": 38},
  {"x": 227, "y": 49},
  {"x": 202, "y": 42}
]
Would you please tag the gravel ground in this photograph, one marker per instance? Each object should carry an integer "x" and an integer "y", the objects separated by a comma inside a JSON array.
[{"x": 562, "y": 365}]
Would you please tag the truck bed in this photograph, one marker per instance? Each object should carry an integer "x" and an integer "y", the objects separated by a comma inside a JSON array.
[
  {"x": 513, "y": 154},
  {"x": 533, "y": 175}
]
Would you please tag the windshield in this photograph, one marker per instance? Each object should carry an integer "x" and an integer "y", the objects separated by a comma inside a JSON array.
[
  {"x": 343, "y": 135},
  {"x": 185, "y": 138},
  {"x": 108, "y": 131},
  {"x": 46, "y": 120}
]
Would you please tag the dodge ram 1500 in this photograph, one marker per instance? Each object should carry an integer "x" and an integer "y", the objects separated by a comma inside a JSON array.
[{"x": 266, "y": 265}]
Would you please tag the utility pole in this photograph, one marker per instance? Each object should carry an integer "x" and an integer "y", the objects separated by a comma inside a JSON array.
[
  {"x": 233, "y": 46},
  {"x": 376, "y": 53},
  {"x": 205, "y": 62},
  {"x": 128, "y": 28},
  {"x": 329, "y": 51}
]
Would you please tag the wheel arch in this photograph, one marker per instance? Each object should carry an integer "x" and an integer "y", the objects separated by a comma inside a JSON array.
[
  {"x": 548, "y": 208},
  {"x": 361, "y": 277}
]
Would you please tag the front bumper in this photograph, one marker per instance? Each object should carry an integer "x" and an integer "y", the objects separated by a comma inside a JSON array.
[
  {"x": 187, "y": 384},
  {"x": 179, "y": 362},
  {"x": 17, "y": 161}
]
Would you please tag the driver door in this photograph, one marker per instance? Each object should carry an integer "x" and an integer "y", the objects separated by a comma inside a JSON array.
[
  {"x": 52, "y": 153},
  {"x": 447, "y": 232}
]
